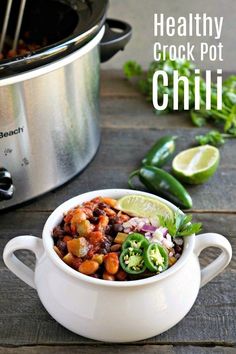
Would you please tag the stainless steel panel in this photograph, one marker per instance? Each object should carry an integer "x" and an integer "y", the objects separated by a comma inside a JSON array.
[{"x": 49, "y": 127}]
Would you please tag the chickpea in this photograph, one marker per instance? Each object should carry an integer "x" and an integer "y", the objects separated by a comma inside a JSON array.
[
  {"x": 121, "y": 275},
  {"x": 111, "y": 262},
  {"x": 88, "y": 267},
  {"x": 107, "y": 276},
  {"x": 116, "y": 247}
]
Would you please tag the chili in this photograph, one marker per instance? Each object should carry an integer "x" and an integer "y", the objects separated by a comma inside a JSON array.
[{"x": 160, "y": 152}]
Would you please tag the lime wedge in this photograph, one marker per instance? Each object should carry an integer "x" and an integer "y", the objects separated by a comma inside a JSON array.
[
  {"x": 196, "y": 165},
  {"x": 142, "y": 206}
]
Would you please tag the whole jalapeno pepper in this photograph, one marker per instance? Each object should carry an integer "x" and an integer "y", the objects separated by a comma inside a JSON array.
[
  {"x": 132, "y": 261},
  {"x": 162, "y": 183},
  {"x": 156, "y": 258},
  {"x": 160, "y": 152},
  {"x": 136, "y": 241}
]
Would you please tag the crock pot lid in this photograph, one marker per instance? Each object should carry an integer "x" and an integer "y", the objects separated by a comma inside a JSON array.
[{"x": 91, "y": 17}]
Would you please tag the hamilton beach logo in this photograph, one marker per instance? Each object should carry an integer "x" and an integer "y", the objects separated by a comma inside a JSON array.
[{"x": 8, "y": 133}]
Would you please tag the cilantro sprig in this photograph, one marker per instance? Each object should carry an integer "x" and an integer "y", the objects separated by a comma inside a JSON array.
[
  {"x": 180, "y": 225},
  {"x": 214, "y": 137}
]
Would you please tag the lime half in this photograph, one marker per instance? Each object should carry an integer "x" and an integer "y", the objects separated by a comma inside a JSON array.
[
  {"x": 196, "y": 165},
  {"x": 143, "y": 206}
]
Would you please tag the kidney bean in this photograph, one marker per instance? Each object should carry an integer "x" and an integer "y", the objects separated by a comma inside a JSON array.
[
  {"x": 76, "y": 262},
  {"x": 116, "y": 247},
  {"x": 118, "y": 228},
  {"x": 108, "y": 229},
  {"x": 102, "y": 205},
  {"x": 62, "y": 246},
  {"x": 109, "y": 238},
  {"x": 98, "y": 212},
  {"x": 94, "y": 220},
  {"x": 56, "y": 249},
  {"x": 58, "y": 232},
  {"x": 105, "y": 247},
  {"x": 88, "y": 267},
  {"x": 96, "y": 276},
  {"x": 107, "y": 276},
  {"x": 67, "y": 228},
  {"x": 178, "y": 249},
  {"x": 112, "y": 221},
  {"x": 121, "y": 275},
  {"x": 111, "y": 262},
  {"x": 67, "y": 238}
]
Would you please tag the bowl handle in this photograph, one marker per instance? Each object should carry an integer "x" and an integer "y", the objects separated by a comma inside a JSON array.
[
  {"x": 22, "y": 271},
  {"x": 214, "y": 268}
]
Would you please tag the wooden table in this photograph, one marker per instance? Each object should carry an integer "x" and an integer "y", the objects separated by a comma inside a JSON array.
[{"x": 129, "y": 127}]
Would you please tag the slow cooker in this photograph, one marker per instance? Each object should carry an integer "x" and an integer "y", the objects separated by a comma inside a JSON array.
[{"x": 49, "y": 98}]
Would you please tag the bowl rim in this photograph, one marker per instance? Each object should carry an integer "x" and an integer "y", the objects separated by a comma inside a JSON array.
[{"x": 56, "y": 216}]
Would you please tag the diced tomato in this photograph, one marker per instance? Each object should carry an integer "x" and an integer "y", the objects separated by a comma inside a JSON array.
[
  {"x": 88, "y": 212},
  {"x": 96, "y": 200},
  {"x": 92, "y": 251},
  {"x": 122, "y": 218},
  {"x": 111, "y": 202},
  {"x": 95, "y": 238},
  {"x": 109, "y": 212},
  {"x": 76, "y": 262},
  {"x": 78, "y": 216},
  {"x": 103, "y": 221},
  {"x": 68, "y": 217},
  {"x": 67, "y": 238}
]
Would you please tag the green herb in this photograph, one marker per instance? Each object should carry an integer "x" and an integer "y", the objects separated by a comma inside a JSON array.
[
  {"x": 224, "y": 119},
  {"x": 214, "y": 138},
  {"x": 131, "y": 69},
  {"x": 180, "y": 225}
]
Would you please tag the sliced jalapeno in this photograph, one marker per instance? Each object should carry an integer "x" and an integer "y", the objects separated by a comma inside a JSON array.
[
  {"x": 132, "y": 261},
  {"x": 156, "y": 258},
  {"x": 136, "y": 241}
]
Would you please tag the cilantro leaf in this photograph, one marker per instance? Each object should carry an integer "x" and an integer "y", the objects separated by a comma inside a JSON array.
[
  {"x": 180, "y": 225},
  {"x": 214, "y": 138},
  {"x": 131, "y": 69}
]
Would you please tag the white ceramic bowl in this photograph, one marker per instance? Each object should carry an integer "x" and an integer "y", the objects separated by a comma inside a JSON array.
[{"x": 115, "y": 311}]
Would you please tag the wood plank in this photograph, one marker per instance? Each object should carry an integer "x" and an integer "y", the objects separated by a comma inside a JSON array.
[
  {"x": 118, "y": 349},
  {"x": 122, "y": 106},
  {"x": 121, "y": 152},
  {"x": 137, "y": 113},
  {"x": 114, "y": 84},
  {"x": 24, "y": 321}
]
